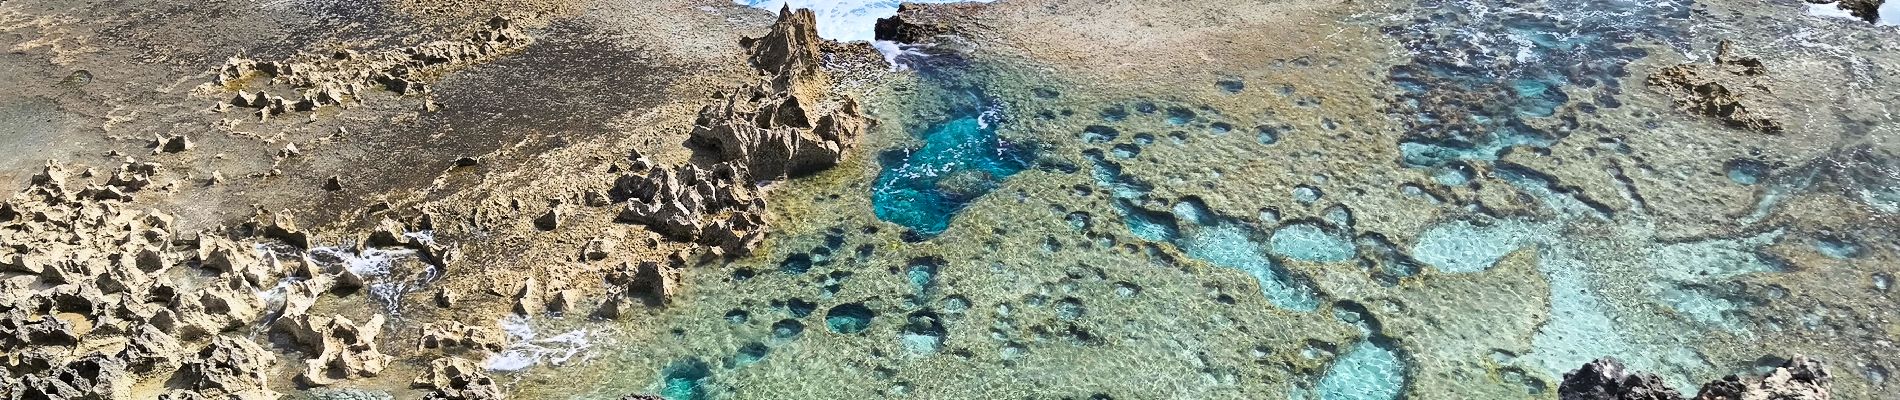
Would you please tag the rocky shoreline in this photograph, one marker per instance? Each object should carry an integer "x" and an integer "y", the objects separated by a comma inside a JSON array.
[{"x": 106, "y": 299}]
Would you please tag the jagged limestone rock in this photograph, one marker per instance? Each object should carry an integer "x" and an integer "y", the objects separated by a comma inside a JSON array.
[
  {"x": 229, "y": 367},
  {"x": 453, "y": 378}
]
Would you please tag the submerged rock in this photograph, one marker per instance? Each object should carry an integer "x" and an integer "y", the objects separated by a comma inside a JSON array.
[
  {"x": 1731, "y": 90},
  {"x": 1608, "y": 379}
]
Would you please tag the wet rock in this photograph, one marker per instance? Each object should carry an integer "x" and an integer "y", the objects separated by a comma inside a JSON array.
[
  {"x": 322, "y": 80},
  {"x": 453, "y": 378},
  {"x": 452, "y": 335},
  {"x": 1731, "y": 90},
  {"x": 653, "y": 282},
  {"x": 908, "y": 26},
  {"x": 1607, "y": 379},
  {"x": 1799, "y": 379},
  {"x": 228, "y": 368}
]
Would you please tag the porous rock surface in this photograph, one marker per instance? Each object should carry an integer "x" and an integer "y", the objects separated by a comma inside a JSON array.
[
  {"x": 321, "y": 80},
  {"x": 1730, "y": 90},
  {"x": 787, "y": 124},
  {"x": 1607, "y": 379},
  {"x": 454, "y": 378}
]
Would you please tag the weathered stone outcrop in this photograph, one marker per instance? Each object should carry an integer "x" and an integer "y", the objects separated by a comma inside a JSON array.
[
  {"x": 455, "y": 336},
  {"x": 453, "y": 378},
  {"x": 648, "y": 281},
  {"x": 83, "y": 268},
  {"x": 339, "y": 349},
  {"x": 908, "y": 26},
  {"x": 316, "y": 81},
  {"x": 1607, "y": 379},
  {"x": 716, "y": 208},
  {"x": 789, "y": 124},
  {"x": 228, "y": 368},
  {"x": 1731, "y": 90}
]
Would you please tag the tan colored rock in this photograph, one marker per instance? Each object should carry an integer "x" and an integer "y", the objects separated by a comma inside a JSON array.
[
  {"x": 230, "y": 368},
  {"x": 1731, "y": 90},
  {"x": 453, "y": 335},
  {"x": 454, "y": 378},
  {"x": 347, "y": 350},
  {"x": 528, "y": 297}
]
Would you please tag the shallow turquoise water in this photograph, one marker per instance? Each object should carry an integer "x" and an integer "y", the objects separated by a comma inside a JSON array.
[{"x": 1033, "y": 240}]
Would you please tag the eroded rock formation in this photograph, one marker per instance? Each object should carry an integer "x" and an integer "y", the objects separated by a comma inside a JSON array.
[
  {"x": 788, "y": 124},
  {"x": 1607, "y": 379},
  {"x": 453, "y": 378},
  {"x": 1731, "y": 90},
  {"x": 332, "y": 79},
  {"x": 340, "y": 349},
  {"x": 717, "y": 208}
]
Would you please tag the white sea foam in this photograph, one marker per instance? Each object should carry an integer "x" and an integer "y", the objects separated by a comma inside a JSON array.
[
  {"x": 527, "y": 349},
  {"x": 845, "y": 20},
  {"x": 1830, "y": 10}
]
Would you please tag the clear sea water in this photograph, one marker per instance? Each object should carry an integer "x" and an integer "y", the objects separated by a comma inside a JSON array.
[{"x": 1016, "y": 241}]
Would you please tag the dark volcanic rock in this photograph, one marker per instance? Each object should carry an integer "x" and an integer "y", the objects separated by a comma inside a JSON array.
[
  {"x": 1865, "y": 10},
  {"x": 1607, "y": 379},
  {"x": 1799, "y": 379},
  {"x": 902, "y": 29},
  {"x": 1730, "y": 90}
]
